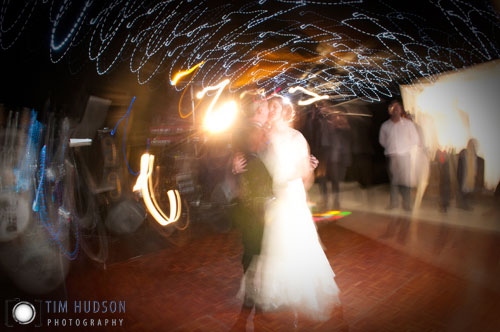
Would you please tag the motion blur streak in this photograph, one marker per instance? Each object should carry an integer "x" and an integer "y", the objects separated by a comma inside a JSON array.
[
  {"x": 145, "y": 184},
  {"x": 457, "y": 107},
  {"x": 181, "y": 74}
]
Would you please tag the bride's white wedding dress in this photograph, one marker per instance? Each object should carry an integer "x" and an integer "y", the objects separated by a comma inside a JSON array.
[{"x": 292, "y": 271}]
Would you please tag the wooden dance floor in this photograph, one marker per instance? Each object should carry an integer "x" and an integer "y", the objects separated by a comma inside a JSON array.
[{"x": 191, "y": 285}]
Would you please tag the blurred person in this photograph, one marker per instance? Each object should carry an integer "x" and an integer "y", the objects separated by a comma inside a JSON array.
[
  {"x": 362, "y": 148},
  {"x": 469, "y": 174},
  {"x": 399, "y": 136},
  {"x": 213, "y": 166},
  {"x": 252, "y": 183},
  {"x": 282, "y": 105},
  {"x": 444, "y": 166},
  {"x": 292, "y": 271},
  {"x": 336, "y": 145},
  {"x": 319, "y": 144},
  {"x": 420, "y": 163},
  {"x": 311, "y": 129}
]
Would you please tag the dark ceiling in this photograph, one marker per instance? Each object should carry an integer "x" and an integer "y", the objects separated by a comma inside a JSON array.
[{"x": 346, "y": 49}]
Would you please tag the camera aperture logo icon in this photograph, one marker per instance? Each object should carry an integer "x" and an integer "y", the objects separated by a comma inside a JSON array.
[{"x": 23, "y": 312}]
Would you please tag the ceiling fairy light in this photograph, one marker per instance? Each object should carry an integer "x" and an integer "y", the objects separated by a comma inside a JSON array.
[
  {"x": 315, "y": 96},
  {"x": 363, "y": 50},
  {"x": 144, "y": 183},
  {"x": 56, "y": 47}
]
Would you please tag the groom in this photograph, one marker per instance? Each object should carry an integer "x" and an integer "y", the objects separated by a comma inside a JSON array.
[
  {"x": 254, "y": 183},
  {"x": 253, "y": 187}
]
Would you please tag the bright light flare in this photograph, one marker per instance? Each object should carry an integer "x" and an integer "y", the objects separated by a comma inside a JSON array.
[
  {"x": 181, "y": 74},
  {"x": 144, "y": 183},
  {"x": 221, "y": 118},
  {"x": 219, "y": 87},
  {"x": 315, "y": 96}
]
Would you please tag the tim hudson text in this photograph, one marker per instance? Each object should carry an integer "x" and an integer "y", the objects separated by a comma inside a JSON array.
[{"x": 101, "y": 307}]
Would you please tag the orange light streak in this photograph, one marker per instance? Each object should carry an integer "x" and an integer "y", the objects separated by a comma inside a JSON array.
[
  {"x": 181, "y": 74},
  {"x": 144, "y": 183}
]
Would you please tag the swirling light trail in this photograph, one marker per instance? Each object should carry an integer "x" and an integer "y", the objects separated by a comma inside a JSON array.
[
  {"x": 174, "y": 81},
  {"x": 315, "y": 96},
  {"x": 181, "y": 74},
  {"x": 145, "y": 185},
  {"x": 344, "y": 49}
]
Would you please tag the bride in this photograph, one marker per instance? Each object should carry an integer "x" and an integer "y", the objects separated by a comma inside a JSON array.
[{"x": 292, "y": 271}]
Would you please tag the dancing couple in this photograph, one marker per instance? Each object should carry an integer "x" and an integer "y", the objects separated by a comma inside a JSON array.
[{"x": 285, "y": 267}]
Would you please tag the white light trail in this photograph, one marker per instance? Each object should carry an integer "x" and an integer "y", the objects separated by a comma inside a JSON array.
[
  {"x": 144, "y": 183},
  {"x": 315, "y": 96},
  {"x": 354, "y": 52}
]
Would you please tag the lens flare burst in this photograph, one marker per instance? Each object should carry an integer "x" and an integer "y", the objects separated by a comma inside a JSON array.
[{"x": 221, "y": 118}]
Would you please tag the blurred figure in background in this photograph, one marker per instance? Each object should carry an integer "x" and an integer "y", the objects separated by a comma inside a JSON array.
[
  {"x": 444, "y": 166},
  {"x": 336, "y": 145},
  {"x": 311, "y": 129},
  {"x": 362, "y": 147},
  {"x": 399, "y": 136},
  {"x": 215, "y": 156},
  {"x": 470, "y": 172}
]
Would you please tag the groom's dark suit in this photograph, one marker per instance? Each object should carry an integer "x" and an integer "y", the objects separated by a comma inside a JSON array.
[{"x": 255, "y": 190}]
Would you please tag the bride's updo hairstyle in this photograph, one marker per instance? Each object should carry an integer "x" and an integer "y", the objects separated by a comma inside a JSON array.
[{"x": 287, "y": 112}]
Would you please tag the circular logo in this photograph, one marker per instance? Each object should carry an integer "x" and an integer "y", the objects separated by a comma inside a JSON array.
[{"x": 23, "y": 312}]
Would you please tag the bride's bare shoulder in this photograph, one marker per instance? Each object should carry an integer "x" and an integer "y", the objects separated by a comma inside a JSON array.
[{"x": 295, "y": 133}]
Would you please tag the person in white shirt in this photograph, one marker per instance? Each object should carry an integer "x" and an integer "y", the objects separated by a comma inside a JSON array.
[{"x": 399, "y": 136}]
